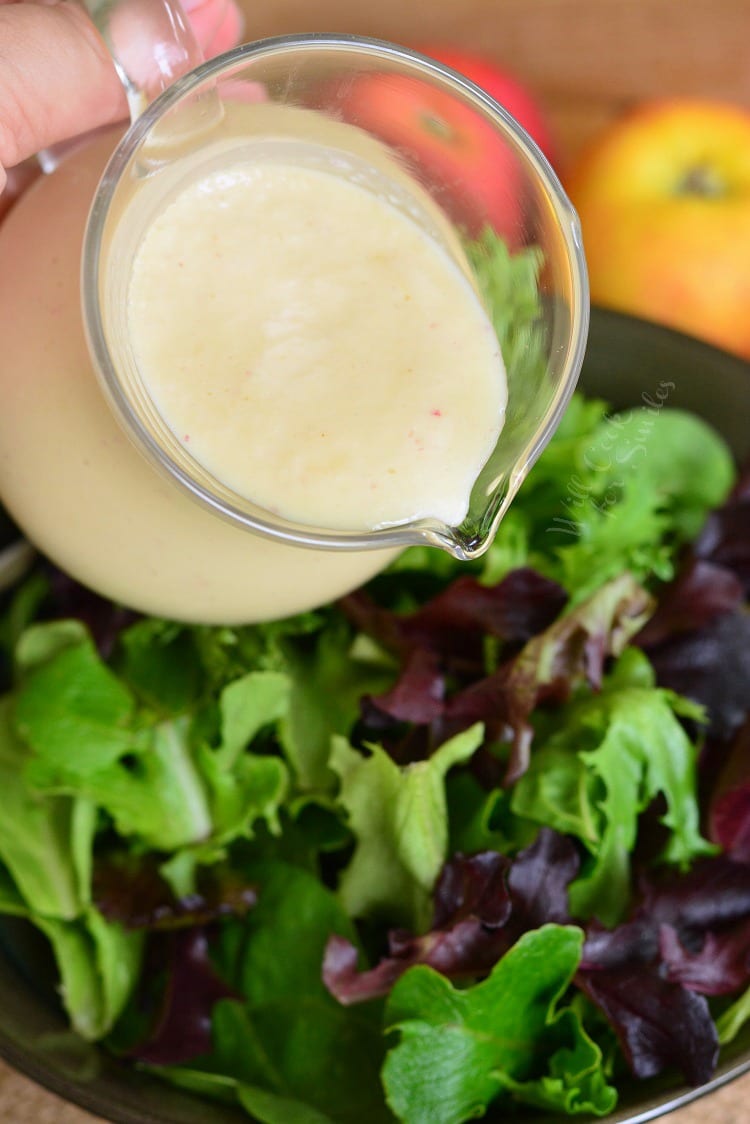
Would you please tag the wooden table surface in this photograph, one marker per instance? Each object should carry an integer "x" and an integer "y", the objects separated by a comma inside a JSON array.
[{"x": 22, "y": 1102}]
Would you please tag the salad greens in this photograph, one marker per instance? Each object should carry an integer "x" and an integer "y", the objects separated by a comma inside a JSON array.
[
  {"x": 399, "y": 820},
  {"x": 459, "y": 1048},
  {"x": 609, "y": 758},
  {"x": 475, "y": 837}
]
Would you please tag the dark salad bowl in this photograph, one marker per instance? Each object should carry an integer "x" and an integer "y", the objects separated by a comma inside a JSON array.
[{"x": 629, "y": 363}]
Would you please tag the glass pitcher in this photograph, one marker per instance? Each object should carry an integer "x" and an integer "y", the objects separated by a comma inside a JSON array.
[{"x": 189, "y": 116}]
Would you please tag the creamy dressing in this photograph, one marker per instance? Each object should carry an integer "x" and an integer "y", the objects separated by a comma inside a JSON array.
[
  {"x": 85, "y": 495},
  {"x": 315, "y": 349}
]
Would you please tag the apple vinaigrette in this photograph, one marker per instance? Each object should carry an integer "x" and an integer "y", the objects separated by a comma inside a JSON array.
[{"x": 315, "y": 345}]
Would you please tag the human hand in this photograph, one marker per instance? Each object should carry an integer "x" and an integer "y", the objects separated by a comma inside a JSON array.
[{"x": 57, "y": 79}]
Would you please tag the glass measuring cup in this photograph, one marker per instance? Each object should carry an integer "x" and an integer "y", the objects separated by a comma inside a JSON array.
[{"x": 194, "y": 124}]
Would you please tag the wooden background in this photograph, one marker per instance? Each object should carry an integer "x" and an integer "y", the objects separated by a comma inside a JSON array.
[{"x": 587, "y": 60}]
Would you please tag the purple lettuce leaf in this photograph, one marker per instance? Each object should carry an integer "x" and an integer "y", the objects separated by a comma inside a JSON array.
[
  {"x": 538, "y": 881},
  {"x": 453, "y": 625},
  {"x": 572, "y": 650},
  {"x": 725, "y": 537},
  {"x": 712, "y": 896},
  {"x": 700, "y": 593},
  {"x": 730, "y": 822},
  {"x": 710, "y": 665},
  {"x": 659, "y": 1024},
  {"x": 644, "y": 976},
  {"x": 633, "y": 942},
  {"x": 472, "y": 906},
  {"x": 688, "y": 938},
  {"x": 690, "y": 934},
  {"x": 473, "y": 886},
  {"x": 104, "y": 619},
  {"x": 483, "y": 904},
  {"x": 181, "y": 1030},
  {"x": 725, "y": 774},
  {"x": 714, "y": 892},
  {"x": 520, "y": 606},
  {"x": 444, "y": 645},
  {"x": 720, "y": 967},
  {"x": 130, "y": 889},
  {"x": 699, "y": 636},
  {"x": 418, "y": 695}
]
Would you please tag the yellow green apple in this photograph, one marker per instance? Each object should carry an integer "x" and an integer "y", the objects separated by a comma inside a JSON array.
[{"x": 664, "y": 200}]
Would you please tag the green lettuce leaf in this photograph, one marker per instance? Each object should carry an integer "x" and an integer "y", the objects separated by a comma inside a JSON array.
[
  {"x": 156, "y": 795},
  {"x": 399, "y": 820},
  {"x": 611, "y": 492},
  {"x": 246, "y": 705},
  {"x": 155, "y": 777},
  {"x": 610, "y": 755},
  {"x": 253, "y": 790},
  {"x": 160, "y": 663},
  {"x": 656, "y": 450},
  {"x": 459, "y": 1050},
  {"x": 509, "y": 283},
  {"x": 11, "y": 902},
  {"x": 244, "y": 787},
  {"x": 270, "y": 1108},
  {"x": 302, "y": 1056},
  {"x": 731, "y": 1021},
  {"x": 293, "y": 1052},
  {"x": 283, "y": 939},
  {"x": 328, "y": 680},
  {"x": 577, "y": 1081},
  {"x": 227, "y": 653},
  {"x": 264, "y": 1106},
  {"x": 45, "y": 841},
  {"x": 69, "y": 701},
  {"x": 645, "y": 498},
  {"x": 475, "y": 816},
  {"x": 99, "y": 964}
]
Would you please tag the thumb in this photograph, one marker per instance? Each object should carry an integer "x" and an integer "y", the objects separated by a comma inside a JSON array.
[{"x": 57, "y": 79}]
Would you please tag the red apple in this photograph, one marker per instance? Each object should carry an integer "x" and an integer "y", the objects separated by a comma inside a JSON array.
[
  {"x": 505, "y": 89},
  {"x": 475, "y": 173},
  {"x": 664, "y": 200}
]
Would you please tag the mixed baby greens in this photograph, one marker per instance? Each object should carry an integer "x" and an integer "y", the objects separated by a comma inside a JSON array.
[{"x": 473, "y": 837}]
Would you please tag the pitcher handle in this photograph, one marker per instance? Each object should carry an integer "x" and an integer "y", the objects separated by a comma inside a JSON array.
[{"x": 151, "y": 43}]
